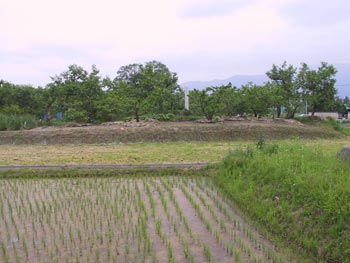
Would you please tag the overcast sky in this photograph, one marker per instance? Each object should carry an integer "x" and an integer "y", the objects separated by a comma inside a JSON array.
[{"x": 198, "y": 39}]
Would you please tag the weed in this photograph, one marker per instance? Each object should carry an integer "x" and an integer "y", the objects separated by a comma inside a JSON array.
[{"x": 300, "y": 193}]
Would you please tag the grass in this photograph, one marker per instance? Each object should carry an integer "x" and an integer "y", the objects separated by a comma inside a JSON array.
[
  {"x": 138, "y": 153},
  {"x": 297, "y": 191},
  {"x": 15, "y": 122},
  {"x": 337, "y": 125}
]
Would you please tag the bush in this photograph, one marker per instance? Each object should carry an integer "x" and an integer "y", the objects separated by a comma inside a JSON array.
[
  {"x": 12, "y": 122},
  {"x": 76, "y": 115},
  {"x": 334, "y": 124},
  {"x": 163, "y": 117}
]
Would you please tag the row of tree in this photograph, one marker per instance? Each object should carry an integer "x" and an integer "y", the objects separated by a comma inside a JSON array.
[
  {"x": 151, "y": 89},
  {"x": 289, "y": 90}
]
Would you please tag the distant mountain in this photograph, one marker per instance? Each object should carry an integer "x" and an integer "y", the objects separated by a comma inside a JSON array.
[
  {"x": 342, "y": 84},
  {"x": 237, "y": 80}
]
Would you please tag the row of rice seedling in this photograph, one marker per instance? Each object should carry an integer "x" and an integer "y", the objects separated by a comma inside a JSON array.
[
  {"x": 244, "y": 235},
  {"x": 121, "y": 219}
]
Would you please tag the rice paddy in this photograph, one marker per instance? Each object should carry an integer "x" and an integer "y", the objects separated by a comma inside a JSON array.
[{"x": 125, "y": 219}]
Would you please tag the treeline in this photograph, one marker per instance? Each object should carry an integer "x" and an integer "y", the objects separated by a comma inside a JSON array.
[
  {"x": 290, "y": 90},
  {"x": 152, "y": 90}
]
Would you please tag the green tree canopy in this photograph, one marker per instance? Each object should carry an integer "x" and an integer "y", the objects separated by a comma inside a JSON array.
[
  {"x": 147, "y": 89},
  {"x": 76, "y": 92},
  {"x": 285, "y": 88},
  {"x": 257, "y": 99},
  {"x": 18, "y": 99},
  {"x": 318, "y": 87}
]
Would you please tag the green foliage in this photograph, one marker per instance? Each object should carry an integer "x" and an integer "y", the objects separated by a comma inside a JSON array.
[
  {"x": 76, "y": 91},
  {"x": 110, "y": 107},
  {"x": 229, "y": 100},
  {"x": 73, "y": 114},
  {"x": 18, "y": 99},
  {"x": 203, "y": 102},
  {"x": 16, "y": 122},
  {"x": 151, "y": 89},
  {"x": 257, "y": 99},
  {"x": 336, "y": 125},
  {"x": 298, "y": 193},
  {"x": 318, "y": 87},
  {"x": 161, "y": 117},
  {"x": 285, "y": 88}
]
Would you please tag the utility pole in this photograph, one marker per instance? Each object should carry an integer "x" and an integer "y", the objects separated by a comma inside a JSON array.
[{"x": 187, "y": 103}]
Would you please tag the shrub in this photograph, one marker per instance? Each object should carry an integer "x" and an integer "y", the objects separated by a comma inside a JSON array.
[
  {"x": 16, "y": 122},
  {"x": 334, "y": 124}
]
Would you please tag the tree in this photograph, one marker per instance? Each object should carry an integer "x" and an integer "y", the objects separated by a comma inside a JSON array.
[
  {"x": 76, "y": 92},
  {"x": 228, "y": 99},
  {"x": 285, "y": 88},
  {"x": 203, "y": 102},
  {"x": 149, "y": 88},
  {"x": 258, "y": 99},
  {"x": 18, "y": 99},
  {"x": 318, "y": 87}
]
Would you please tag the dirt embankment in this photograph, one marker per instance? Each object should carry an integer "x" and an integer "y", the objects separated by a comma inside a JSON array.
[{"x": 123, "y": 132}]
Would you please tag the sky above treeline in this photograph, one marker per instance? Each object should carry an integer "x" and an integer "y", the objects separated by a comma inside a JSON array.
[{"x": 198, "y": 39}]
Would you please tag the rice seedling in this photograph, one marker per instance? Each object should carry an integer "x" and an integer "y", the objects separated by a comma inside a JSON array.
[{"x": 119, "y": 219}]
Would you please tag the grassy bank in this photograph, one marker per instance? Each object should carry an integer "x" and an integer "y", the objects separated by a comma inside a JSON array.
[{"x": 299, "y": 193}]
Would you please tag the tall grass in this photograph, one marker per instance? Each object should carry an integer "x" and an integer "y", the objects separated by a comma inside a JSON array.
[
  {"x": 16, "y": 122},
  {"x": 299, "y": 193}
]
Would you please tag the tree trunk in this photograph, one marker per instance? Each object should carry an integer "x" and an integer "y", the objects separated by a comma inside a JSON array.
[
  {"x": 48, "y": 114},
  {"x": 291, "y": 114},
  {"x": 278, "y": 112},
  {"x": 137, "y": 116}
]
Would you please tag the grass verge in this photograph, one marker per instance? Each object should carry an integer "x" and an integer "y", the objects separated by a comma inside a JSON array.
[{"x": 299, "y": 193}]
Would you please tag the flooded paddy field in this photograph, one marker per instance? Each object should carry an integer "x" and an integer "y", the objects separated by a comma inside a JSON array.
[{"x": 124, "y": 219}]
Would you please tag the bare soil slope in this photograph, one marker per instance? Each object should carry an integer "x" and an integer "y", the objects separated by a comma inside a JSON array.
[{"x": 129, "y": 132}]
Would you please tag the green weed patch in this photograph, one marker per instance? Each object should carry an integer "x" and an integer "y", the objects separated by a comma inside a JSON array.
[
  {"x": 298, "y": 193},
  {"x": 14, "y": 122}
]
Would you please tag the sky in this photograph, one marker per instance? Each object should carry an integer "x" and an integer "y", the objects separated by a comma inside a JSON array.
[{"x": 197, "y": 39}]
